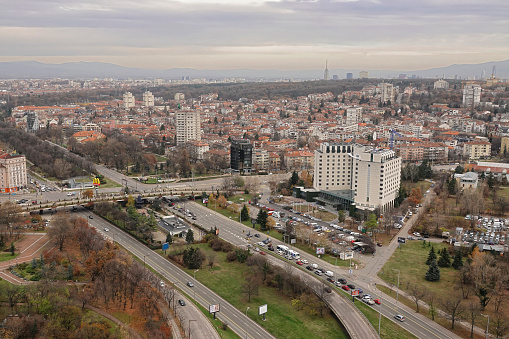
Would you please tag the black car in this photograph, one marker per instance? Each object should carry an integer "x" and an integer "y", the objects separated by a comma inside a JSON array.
[
  {"x": 327, "y": 289},
  {"x": 257, "y": 235},
  {"x": 342, "y": 281},
  {"x": 182, "y": 302},
  {"x": 309, "y": 268},
  {"x": 352, "y": 286},
  {"x": 322, "y": 270},
  {"x": 330, "y": 280}
]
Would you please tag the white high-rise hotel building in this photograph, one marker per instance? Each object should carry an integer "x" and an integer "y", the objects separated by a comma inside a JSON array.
[
  {"x": 369, "y": 177},
  {"x": 188, "y": 126}
]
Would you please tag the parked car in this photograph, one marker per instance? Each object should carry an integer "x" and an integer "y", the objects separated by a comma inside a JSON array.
[
  {"x": 182, "y": 302},
  {"x": 299, "y": 263},
  {"x": 352, "y": 286}
]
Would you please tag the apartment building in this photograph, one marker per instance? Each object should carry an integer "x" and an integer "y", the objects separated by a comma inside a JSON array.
[
  {"x": 471, "y": 95},
  {"x": 353, "y": 115},
  {"x": 148, "y": 99},
  {"x": 188, "y": 126},
  {"x": 13, "y": 173},
  {"x": 128, "y": 100},
  {"x": 32, "y": 122},
  {"x": 441, "y": 84},
  {"x": 386, "y": 92},
  {"x": 477, "y": 149},
  {"x": 365, "y": 177},
  {"x": 298, "y": 160},
  {"x": 261, "y": 159}
]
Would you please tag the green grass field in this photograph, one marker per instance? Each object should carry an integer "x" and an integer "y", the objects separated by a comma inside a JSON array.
[
  {"x": 5, "y": 256},
  {"x": 283, "y": 320},
  {"x": 411, "y": 261}
]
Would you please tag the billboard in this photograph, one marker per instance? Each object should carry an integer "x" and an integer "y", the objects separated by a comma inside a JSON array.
[
  {"x": 401, "y": 240},
  {"x": 262, "y": 309},
  {"x": 355, "y": 292},
  {"x": 320, "y": 250},
  {"x": 166, "y": 246},
  {"x": 293, "y": 241},
  {"x": 213, "y": 308}
]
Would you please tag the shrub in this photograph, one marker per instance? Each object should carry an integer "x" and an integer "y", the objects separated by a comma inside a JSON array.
[{"x": 231, "y": 256}]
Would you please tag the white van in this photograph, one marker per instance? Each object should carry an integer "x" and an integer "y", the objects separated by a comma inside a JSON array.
[
  {"x": 329, "y": 274},
  {"x": 315, "y": 266}
]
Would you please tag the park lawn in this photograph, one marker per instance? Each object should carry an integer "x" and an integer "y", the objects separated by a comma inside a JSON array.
[
  {"x": 283, "y": 320},
  {"x": 246, "y": 198},
  {"x": 323, "y": 215},
  {"x": 410, "y": 259},
  {"x": 5, "y": 256},
  {"x": 424, "y": 185},
  {"x": 227, "y": 213},
  {"x": 109, "y": 183},
  {"x": 388, "y": 329}
]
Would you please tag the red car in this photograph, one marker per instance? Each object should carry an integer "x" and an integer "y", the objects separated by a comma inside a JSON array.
[
  {"x": 262, "y": 253},
  {"x": 270, "y": 209},
  {"x": 377, "y": 301},
  {"x": 346, "y": 288},
  {"x": 299, "y": 263}
]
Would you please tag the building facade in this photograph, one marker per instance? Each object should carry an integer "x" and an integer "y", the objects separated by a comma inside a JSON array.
[
  {"x": 441, "y": 84},
  {"x": 32, "y": 122},
  {"x": 128, "y": 100},
  {"x": 261, "y": 159},
  {"x": 477, "y": 149},
  {"x": 188, "y": 126},
  {"x": 369, "y": 177},
  {"x": 471, "y": 95},
  {"x": 148, "y": 99},
  {"x": 353, "y": 115},
  {"x": 13, "y": 173},
  {"x": 386, "y": 92},
  {"x": 241, "y": 156}
]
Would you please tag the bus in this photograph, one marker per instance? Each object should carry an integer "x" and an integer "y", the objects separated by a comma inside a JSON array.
[
  {"x": 293, "y": 254},
  {"x": 282, "y": 249}
]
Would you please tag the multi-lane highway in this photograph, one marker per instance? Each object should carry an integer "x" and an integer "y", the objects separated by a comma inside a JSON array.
[
  {"x": 354, "y": 321},
  {"x": 235, "y": 319},
  {"x": 422, "y": 327}
]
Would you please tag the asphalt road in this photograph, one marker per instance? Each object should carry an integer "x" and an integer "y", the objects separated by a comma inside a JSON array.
[
  {"x": 415, "y": 323},
  {"x": 236, "y": 319},
  {"x": 232, "y": 231}
]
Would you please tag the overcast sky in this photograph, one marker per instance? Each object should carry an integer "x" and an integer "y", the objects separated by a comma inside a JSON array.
[{"x": 257, "y": 34}]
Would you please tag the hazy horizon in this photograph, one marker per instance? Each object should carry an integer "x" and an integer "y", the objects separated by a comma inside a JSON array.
[{"x": 257, "y": 34}]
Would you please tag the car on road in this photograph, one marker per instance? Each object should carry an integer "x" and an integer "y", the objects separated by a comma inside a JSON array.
[
  {"x": 257, "y": 235},
  {"x": 352, "y": 286},
  {"x": 260, "y": 243},
  {"x": 309, "y": 268},
  {"x": 342, "y": 281},
  {"x": 106, "y": 229},
  {"x": 299, "y": 263},
  {"x": 377, "y": 301},
  {"x": 327, "y": 289},
  {"x": 182, "y": 302},
  {"x": 262, "y": 253},
  {"x": 304, "y": 261},
  {"x": 399, "y": 317},
  {"x": 317, "y": 272},
  {"x": 346, "y": 288},
  {"x": 190, "y": 284},
  {"x": 90, "y": 216},
  {"x": 330, "y": 280}
]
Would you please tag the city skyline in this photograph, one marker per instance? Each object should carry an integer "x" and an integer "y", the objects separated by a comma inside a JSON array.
[{"x": 259, "y": 34}]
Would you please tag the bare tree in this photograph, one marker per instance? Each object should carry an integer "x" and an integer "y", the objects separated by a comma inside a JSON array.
[
  {"x": 417, "y": 293},
  {"x": 473, "y": 312},
  {"x": 501, "y": 325},
  {"x": 251, "y": 286},
  {"x": 431, "y": 299},
  {"x": 453, "y": 306},
  {"x": 211, "y": 259}
]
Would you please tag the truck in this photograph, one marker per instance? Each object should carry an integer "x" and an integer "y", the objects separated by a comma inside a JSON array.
[{"x": 445, "y": 235}]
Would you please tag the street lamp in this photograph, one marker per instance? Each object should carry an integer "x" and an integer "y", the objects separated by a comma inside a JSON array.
[
  {"x": 397, "y": 292},
  {"x": 246, "y": 321},
  {"x": 190, "y": 327},
  {"x": 488, "y": 324}
]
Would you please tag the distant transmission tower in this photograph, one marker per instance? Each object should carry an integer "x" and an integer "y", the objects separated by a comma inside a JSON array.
[{"x": 326, "y": 72}]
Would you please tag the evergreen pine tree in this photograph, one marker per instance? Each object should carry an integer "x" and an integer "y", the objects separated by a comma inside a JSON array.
[
  {"x": 190, "y": 237},
  {"x": 445, "y": 258},
  {"x": 294, "y": 179},
  {"x": 458, "y": 260},
  {"x": 433, "y": 273},
  {"x": 431, "y": 256},
  {"x": 244, "y": 213}
]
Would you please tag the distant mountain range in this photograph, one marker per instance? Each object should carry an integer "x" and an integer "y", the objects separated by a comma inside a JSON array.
[{"x": 89, "y": 70}]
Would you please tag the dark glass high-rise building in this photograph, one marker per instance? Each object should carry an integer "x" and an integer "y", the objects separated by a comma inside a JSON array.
[{"x": 241, "y": 156}]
